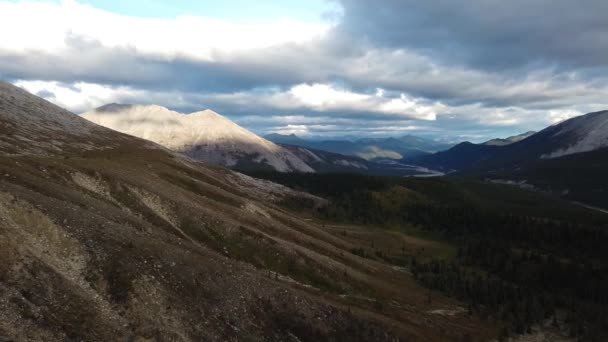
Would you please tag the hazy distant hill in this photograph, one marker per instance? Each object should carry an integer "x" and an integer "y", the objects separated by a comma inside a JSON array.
[
  {"x": 291, "y": 139},
  {"x": 509, "y": 140},
  {"x": 368, "y": 148}
]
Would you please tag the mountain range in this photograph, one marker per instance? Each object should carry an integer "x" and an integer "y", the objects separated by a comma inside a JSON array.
[
  {"x": 210, "y": 137},
  {"x": 407, "y": 146},
  {"x": 535, "y": 159},
  {"x": 532, "y": 159},
  {"x": 570, "y": 157},
  {"x": 577, "y": 135},
  {"x": 510, "y": 140}
]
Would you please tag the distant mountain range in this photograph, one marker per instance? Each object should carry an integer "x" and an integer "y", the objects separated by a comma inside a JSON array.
[
  {"x": 570, "y": 158},
  {"x": 290, "y": 139},
  {"x": 509, "y": 140},
  {"x": 407, "y": 146},
  {"x": 581, "y": 134},
  {"x": 212, "y": 138},
  {"x": 323, "y": 161}
]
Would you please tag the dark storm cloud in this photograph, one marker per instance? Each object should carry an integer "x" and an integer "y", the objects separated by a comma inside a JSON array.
[
  {"x": 95, "y": 63},
  {"x": 282, "y": 66},
  {"x": 436, "y": 50},
  {"x": 491, "y": 34}
]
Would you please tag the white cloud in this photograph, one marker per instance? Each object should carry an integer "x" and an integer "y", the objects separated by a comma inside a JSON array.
[
  {"x": 323, "y": 96},
  {"x": 28, "y": 27},
  {"x": 301, "y": 130},
  {"x": 317, "y": 97},
  {"x": 327, "y": 98},
  {"x": 557, "y": 116},
  {"x": 80, "y": 96},
  {"x": 319, "y": 109}
]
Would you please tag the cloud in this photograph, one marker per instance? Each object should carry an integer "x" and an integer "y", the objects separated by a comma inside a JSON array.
[
  {"x": 490, "y": 34},
  {"x": 193, "y": 37},
  {"x": 319, "y": 110},
  {"x": 82, "y": 44},
  {"x": 300, "y": 130},
  {"x": 558, "y": 116},
  {"x": 325, "y": 98},
  {"x": 475, "y": 68},
  {"x": 81, "y": 96}
]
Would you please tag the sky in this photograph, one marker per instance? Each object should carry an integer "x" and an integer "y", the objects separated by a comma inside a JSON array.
[{"x": 451, "y": 70}]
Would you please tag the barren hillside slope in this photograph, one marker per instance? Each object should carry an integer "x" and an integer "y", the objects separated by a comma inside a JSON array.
[{"x": 126, "y": 241}]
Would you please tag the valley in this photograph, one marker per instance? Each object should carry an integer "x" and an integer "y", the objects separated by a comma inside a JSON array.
[
  {"x": 134, "y": 241},
  {"x": 303, "y": 171},
  {"x": 508, "y": 254},
  {"x": 144, "y": 239}
]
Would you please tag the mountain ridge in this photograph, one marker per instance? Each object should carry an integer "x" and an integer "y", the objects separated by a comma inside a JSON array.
[
  {"x": 367, "y": 148},
  {"x": 203, "y": 135},
  {"x": 65, "y": 132},
  {"x": 569, "y": 159},
  {"x": 509, "y": 140},
  {"x": 584, "y": 133}
]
